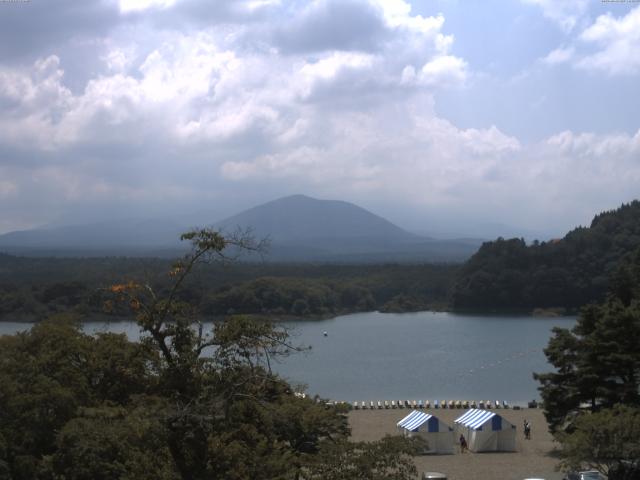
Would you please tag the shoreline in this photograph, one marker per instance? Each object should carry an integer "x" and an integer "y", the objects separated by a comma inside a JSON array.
[{"x": 533, "y": 312}]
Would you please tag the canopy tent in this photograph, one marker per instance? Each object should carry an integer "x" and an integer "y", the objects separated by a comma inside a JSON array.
[
  {"x": 439, "y": 435},
  {"x": 486, "y": 431}
]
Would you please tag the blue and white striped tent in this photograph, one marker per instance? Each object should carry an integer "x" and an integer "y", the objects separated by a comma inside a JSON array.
[
  {"x": 439, "y": 435},
  {"x": 486, "y": 431}
]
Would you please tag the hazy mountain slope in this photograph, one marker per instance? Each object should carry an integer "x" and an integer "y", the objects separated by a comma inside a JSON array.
[
  {"x": 300, "y": 229},
  {"x": 115, "y": 234},
  {"x": 299, "y": 217},
  {"x": 303, "y": 228}
]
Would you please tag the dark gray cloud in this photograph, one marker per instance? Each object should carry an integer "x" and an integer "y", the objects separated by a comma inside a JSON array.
[
  {"x": 346, "y": 25},
  {"x": 35, "y": 28},
  {"x": 198, "y": 14}
]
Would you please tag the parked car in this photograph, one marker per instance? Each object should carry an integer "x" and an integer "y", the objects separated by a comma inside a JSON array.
[
  {"x": 586, "y": 475},
  {"x": 434, "y": 476}
]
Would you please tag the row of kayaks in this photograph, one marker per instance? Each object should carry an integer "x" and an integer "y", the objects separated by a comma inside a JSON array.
[{"x": 416, "y": 404}]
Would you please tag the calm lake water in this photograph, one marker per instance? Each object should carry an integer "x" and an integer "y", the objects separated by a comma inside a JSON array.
[{"x": 424, "y": 355}]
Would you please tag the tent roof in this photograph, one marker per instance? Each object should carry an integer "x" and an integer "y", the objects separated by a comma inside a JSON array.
[
  {"x": 475, "y": 418},
  {"x": 414, "y": 420}
]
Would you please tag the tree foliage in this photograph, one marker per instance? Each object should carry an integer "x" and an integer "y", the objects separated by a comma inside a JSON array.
[
  {"x": 181, "y": 404},
  {"x": 592, "y": 399},
  {"x": 31, "y": 288},
  {"x": 598, "y": 361},
  {"x": 386, "y": 459},
  {"x": 49, "y": 374},
  {"x": 607, "y": 441},
  {"x": 569, "y": 272}
]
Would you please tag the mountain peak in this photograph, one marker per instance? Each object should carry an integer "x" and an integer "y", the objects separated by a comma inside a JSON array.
[{"x": 300, "y": 216}]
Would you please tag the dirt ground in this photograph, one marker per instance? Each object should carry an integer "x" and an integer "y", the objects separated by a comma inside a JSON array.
[{"x": 533, "y": 458}]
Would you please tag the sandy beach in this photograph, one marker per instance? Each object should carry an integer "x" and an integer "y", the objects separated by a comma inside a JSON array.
[{"x": 532, "y": 459}]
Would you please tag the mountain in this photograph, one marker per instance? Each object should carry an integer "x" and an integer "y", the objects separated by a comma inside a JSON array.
[
  {"x": 567, "y": 272},
  {"x": 299, "y": 228},
  {"x": 304, "y": 228},
  {"x": 122, "y": 237},
  {"x": 299, "y": 218}
]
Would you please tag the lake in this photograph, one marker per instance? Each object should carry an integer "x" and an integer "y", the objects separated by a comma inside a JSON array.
[{"x": 423, "y": 355}]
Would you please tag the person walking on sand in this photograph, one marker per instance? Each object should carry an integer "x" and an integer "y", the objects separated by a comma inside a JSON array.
[
  {"x": 527, "y": 430},
  {"x": 463, "y": 444}
]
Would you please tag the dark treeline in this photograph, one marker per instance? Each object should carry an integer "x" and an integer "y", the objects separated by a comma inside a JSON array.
[
  {"x": 34, "y": 287},
  {"x": 569, "y": 272}
]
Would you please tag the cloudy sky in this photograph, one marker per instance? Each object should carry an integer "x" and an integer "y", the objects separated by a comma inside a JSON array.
[{"x": 441, "y": 115}]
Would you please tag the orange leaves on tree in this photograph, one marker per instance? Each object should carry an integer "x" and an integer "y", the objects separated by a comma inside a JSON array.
[{"x": 124, "y": 287}]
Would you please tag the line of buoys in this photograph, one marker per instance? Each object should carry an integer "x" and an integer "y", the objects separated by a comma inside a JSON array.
[
  {"x": 496, "y": 363},
  {"x": 422, "y": 404}
]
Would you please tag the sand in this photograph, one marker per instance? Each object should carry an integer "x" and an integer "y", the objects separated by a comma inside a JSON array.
[{"x": 533, "y": 458}]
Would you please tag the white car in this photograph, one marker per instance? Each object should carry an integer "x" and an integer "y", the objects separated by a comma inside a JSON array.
[{"x": 586, "y": 475}]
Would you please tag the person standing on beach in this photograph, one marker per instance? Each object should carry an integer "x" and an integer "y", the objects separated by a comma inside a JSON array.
[
  {"x": 463, "y": 444},
  {"x": 527, "y": 430}
]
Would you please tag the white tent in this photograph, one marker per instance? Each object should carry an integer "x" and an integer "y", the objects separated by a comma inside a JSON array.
[
  {"x": 439, "y": 435},
  {"x": 486, "y": 431}
]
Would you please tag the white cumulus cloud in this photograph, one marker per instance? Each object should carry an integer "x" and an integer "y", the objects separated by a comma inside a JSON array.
[{"x": 616, "y": 42}]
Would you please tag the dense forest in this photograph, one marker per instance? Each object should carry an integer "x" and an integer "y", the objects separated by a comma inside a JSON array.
[
  {"x": 35, "y": 287},
  {"x": 568, "y": 272}
]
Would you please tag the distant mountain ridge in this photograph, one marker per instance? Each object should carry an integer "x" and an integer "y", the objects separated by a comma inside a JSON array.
[
  {"x": 121, "y": 233},
  {"x": 302, "y": 228},
  {"x": 299, "y": 227},
  {"x": 299, "y": 217}
]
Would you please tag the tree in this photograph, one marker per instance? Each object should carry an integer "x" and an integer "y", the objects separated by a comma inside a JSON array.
[
  {"x": 598, "y": 361},
  {"x": 592, "y": 400},
  {"x": 110, "y": 443},
  {"x": 386, "y": 459},
  {"x": 181, "y": 404},
  {"x": 229, "y": 415},
  {"x": 607, "y": 441},
  {"x": 567, "y": 272},
  {"x": 48, "y": 375}
]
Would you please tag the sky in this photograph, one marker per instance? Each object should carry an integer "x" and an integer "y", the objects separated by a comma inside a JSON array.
[{"x": 442, "y": 115}]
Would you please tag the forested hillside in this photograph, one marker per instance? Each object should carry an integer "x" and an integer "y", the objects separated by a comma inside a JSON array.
[
  {"x": 569, "y": 272},
  {"x": 31, "y": 288}
]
